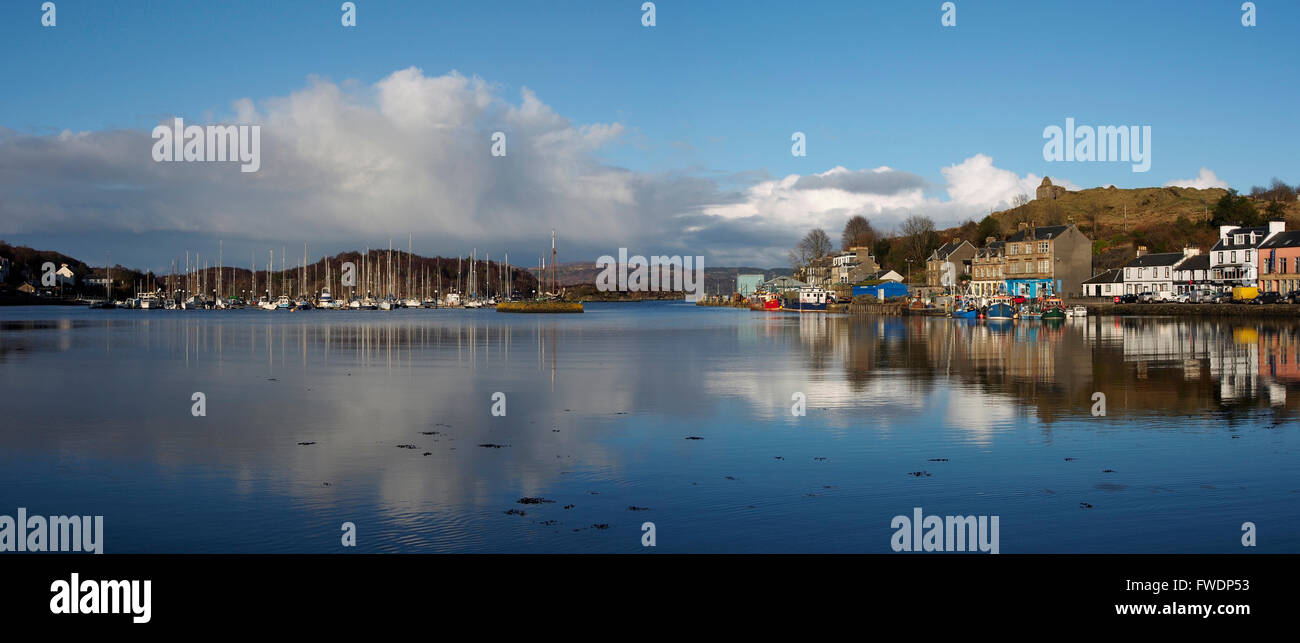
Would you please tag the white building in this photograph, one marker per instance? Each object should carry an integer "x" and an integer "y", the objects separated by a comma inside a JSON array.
[
  {"x": 1233, "y": 260},
  {"x": 1106, "y": 284},
  {"x": 1192, "y": 274},
  {"x": 64, "y": 276},
  {"x": 1153, "y": 272}
]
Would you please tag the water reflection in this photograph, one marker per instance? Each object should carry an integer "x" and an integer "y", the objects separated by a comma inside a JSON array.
[{"x": 599, "y": 406}]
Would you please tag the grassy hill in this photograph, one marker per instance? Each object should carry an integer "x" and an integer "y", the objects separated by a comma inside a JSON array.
[{"x": 1163, "y": 219}]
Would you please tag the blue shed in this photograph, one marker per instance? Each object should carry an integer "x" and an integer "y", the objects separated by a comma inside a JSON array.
[{"x": 890, "y": 288}]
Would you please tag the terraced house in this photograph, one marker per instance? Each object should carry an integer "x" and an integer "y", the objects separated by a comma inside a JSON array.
[
  {"x": 1279, "y": 263},
  {"x": 988, "y": 269},
  {"x": 1154, "y": 273},
  {"x": 1047, "y": 260}
]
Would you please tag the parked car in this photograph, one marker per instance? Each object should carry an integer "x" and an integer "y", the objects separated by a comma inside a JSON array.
[
  {"x": 1145, "y": 298},
  {"x": 1293, "y": 298},
  {"x": 1019, "y": 299},
  {"x": 1222, "y": 298},
  {"x": 1129, "y": 298},
  {"x": 1267, "y": 298}
]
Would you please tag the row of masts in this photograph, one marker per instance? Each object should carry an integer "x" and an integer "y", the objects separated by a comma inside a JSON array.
[{"x": 382, "y": 276}]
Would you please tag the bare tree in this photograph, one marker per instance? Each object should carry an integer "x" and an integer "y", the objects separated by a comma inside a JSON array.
[
  {"x": 919, "y": 238},
  {"x": 813, "y": 245},
  {"x": 857, "y": 232},
  {"x": 1019, "y": 200}
]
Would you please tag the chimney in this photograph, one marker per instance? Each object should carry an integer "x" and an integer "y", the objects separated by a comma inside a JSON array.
[
  {"x": 988, "y": 240},
  {"x": 1225, "y": 230},
  {"x": 1142, "y": 250},
  {"x": 1275, "y": 227},
  {"x": 1022, "y": 225},
  {"x": 1191, "y": 251}
]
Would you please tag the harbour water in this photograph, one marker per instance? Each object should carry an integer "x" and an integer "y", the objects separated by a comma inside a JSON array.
[{"x": 647, "y": 412}]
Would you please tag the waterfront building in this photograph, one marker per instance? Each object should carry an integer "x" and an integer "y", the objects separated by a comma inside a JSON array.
[
  {"x": 1279, "y": 263},
  {"x": 1193, "y": 274},
  {"x": 1153, "y": 273},
  {"x": 988, "y": 269},
  {"x": 855, "y": 265},
  {"x": 1047, "y": 260},
  {"x": 959, "y": 253},
  {"x": 817, "y": 272},
  {"x": 64, "y": 276},
  {"x": 1233, "y": 260},
  {"x": 1107, "y": 284}
]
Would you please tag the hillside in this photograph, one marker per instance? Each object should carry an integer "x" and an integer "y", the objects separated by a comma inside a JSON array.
[{"x": 1164, "y": 219}]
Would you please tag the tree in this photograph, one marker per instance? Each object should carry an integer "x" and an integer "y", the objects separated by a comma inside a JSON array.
[
  {"x": 857, "y": 232},
  {"x": 988, "y": 227},
  {"x": 1234, "y": 210},
  {"x": 919, "y": 238},
  {"x": 813, "y": 245}
]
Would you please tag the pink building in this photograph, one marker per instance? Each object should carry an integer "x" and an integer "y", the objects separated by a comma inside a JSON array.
[{"x": 1279, "y": 263}]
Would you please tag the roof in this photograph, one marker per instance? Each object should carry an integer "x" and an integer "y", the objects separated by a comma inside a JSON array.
[
  {"x": 785, "y": 282},
  {"x": 1196, "y": 262},
  {"x": 1112, "y": 276},
  {"x": 1157, "y": 259},
  {"x": 1041, "y": 233},
  {"x": 946, "y": 249},
  {"x": 1230, "y": 241},
  {"x": 1285, "y": 239}
]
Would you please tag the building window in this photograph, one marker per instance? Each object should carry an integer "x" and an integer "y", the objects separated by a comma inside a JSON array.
[
  {"x": 1247, "y": 256},
  {"x": 1042, "y": 246},
  {"x": 1234, "y": 256},
  {"x": 1281, "y": 264},
  {"x": 1166, "y": 272}
]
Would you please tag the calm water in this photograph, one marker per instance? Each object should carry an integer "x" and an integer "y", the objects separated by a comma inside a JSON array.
[{"x": 1200, "y": 433}]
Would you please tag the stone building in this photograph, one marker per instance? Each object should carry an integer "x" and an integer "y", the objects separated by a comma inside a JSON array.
[{"x": 1047, "y": 191}]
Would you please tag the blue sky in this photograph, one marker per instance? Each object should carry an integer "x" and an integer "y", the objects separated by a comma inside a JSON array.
[{"x": 711, "y": 93}]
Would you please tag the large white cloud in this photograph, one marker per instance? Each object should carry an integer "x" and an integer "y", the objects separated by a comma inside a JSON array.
[
  {"x": 1204, "y": 179},
  {"x": 354, "y": 164}
]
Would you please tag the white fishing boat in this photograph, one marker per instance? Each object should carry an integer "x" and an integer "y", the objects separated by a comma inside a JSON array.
[
  {"x": 325, "y": 300},
  {"x": 451, "y": 300},
  {"x": 283, "y": 303},
  {"x": 355, "y": 304},
  {"x": 148, "y": 301},
  {"x": 411, "y": 302},
  {"x": 1077, "y": 311}
]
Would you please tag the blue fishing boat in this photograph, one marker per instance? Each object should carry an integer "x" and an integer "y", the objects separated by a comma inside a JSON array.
[
  {"x": 1000, "y": 310},
  {"x": 969, "y": 313}
]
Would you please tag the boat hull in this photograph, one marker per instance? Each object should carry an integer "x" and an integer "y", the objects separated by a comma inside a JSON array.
[{"x": 1000, "y": 312}]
